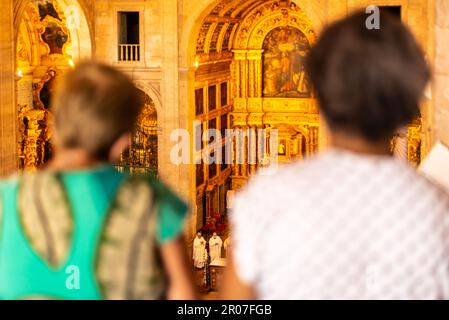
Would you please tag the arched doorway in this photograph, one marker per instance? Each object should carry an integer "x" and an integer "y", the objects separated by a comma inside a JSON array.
[
  {"x": 250, "y": 76},
  {"x": 52, "y": 36},
  {"x": 142, "y": 154}
]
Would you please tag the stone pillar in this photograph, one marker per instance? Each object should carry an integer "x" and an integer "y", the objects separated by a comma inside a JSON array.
[
  {"x": 440, "y": 90},
  {"x": 175, "y": 111},
  {"x": 8, "y": 113},
  {"x": 177, "y": 95}
]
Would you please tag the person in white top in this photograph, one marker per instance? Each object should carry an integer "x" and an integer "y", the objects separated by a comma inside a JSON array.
[
  {"x": 199, "y": 251},
  {"x": 215, "y": 245},
  {"x": 352, "y": 223}
]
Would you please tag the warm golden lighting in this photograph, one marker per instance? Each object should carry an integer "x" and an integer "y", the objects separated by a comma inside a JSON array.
[
  {"x": 19, "y": 74},
  {"x": 71, "y": 63}
]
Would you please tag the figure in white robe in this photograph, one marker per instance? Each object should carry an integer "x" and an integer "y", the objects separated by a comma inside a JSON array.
[
  {"x": 199, "y": 251},
  {"x": 215, "y": 245},
  {"x": 227, "y": 246}
]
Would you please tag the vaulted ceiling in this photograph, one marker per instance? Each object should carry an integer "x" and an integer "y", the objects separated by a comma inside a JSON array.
[{"x": 219, "y": 27}]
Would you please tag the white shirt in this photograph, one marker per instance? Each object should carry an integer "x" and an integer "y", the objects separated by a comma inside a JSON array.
[{"x": 343, "y": 226}]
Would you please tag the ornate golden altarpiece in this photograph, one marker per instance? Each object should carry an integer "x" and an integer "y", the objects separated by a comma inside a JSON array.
[
  {"x": 142, "y": 154},
  {"x": 42, "y": 54},
  {"x": 295, "y": 118}
]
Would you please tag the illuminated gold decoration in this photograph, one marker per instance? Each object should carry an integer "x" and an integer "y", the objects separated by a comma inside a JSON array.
[
  {"x": 230, "y": 49},
  {"x": 272, "y": 14},
  {"x": 142, "y": 155},
  {"x": 34, "y": 137},
  {"x": 42, "y": 53},
  {"x": 414, "y": 142},
  {"x": 279, "y": 33}
]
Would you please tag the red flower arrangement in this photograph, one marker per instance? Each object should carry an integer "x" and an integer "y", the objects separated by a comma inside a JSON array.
[{"x": 216, "y": 225}]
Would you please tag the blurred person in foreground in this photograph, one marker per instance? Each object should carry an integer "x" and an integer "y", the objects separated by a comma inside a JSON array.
[
  {"x": 352, "y": 223},
  {"x": 81, "y": 230}
]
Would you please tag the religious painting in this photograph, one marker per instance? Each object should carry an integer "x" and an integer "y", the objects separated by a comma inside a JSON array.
[
  {"x": 47, "y": 90},
  {"x": 285, "y": 50}
]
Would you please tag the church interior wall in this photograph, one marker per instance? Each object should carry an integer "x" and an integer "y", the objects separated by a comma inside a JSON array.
[{"x": 169, "y": 74}]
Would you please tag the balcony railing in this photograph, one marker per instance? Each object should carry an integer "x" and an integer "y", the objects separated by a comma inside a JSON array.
[{"x": 129, "y": 52}]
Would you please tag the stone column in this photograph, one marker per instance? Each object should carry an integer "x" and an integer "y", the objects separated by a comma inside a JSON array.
[{"x": 176, "y": 95}]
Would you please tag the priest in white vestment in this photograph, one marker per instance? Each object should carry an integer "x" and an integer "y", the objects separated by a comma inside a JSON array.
[
  {"x": 199, "y": 251},
  {"x": 215, "y": 245}
]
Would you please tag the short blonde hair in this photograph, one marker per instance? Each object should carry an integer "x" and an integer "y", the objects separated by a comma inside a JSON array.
[{"x": 94, "y": 105}]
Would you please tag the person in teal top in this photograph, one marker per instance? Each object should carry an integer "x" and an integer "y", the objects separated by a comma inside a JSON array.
[{"x": 80, "y": 229}]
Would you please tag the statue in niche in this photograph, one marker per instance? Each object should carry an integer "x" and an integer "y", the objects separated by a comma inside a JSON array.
[
  {"x": 46, "y": 8},
  {"x": 285, "y": 49},
  {"x": 55, "y": 38},
  {"x": 47, "y": 89},
  {"x": 282, "y": 148},
  {"x": 34, "y": 124}
]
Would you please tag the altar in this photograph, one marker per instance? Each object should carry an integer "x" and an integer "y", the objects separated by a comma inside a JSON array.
[{"x": 216, "y": 269}]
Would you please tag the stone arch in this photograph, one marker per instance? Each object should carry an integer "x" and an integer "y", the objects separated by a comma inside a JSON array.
[
  {"x": 142, "y": 154},
  {"x": 264, "y": 18},
  {"x": 314, "y": 10},
  {"x": 153, "y": 92}
]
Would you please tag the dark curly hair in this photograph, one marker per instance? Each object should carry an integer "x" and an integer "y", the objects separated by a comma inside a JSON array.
[{"x": 369, "y": 82}]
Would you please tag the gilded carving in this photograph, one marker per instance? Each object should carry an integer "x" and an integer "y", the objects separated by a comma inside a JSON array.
[
  {"x": 43, "y": 52},
  {"x": 34, "y": 137},
  {"x": 414, "y": 143},
  {"x": 142, "y": 155},
  {"x": 267, "y": 17}
]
